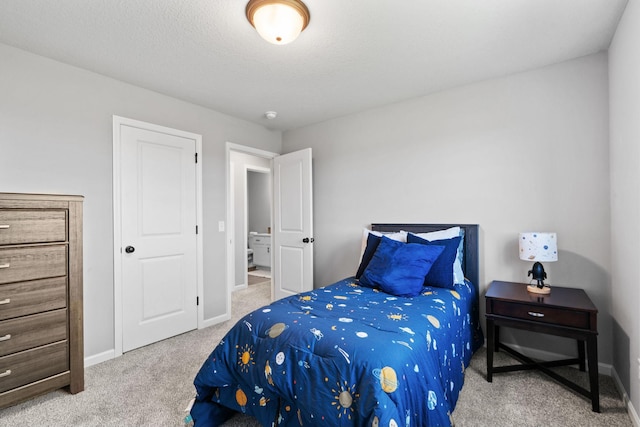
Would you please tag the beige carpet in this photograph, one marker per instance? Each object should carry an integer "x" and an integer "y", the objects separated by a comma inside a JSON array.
[{"x": 152, "y": 385}]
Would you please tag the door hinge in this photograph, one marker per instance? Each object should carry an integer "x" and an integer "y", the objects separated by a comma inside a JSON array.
[
  {"x": 196, "y": 229},
  {"x": 197, "y": 300},
  {"x": 196, "y": 157}
]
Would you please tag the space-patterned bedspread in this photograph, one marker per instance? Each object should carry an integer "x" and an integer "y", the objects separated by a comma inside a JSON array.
[{"x": 343, "y": 355}]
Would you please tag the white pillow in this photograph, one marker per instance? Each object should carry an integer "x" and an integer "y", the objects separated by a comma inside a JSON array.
[
  {"x": 449, "y": 233},
  {"x": 400, "y": 236}
]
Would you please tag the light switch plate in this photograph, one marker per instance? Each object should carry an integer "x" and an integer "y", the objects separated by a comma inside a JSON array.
[{"x": 220, "y": 225}]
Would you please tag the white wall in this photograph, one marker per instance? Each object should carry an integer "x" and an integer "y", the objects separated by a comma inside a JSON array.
[
  {"x": 527, "y": 152},
  {"x": 624, "y": 74},
  {"x": 56, "y": 137}
]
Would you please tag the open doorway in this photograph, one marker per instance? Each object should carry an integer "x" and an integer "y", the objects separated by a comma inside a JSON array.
[
  {"x": 249, "y": 218},
  {"x": 291, "y": 251},
  {"x": 258, "y": 223}
]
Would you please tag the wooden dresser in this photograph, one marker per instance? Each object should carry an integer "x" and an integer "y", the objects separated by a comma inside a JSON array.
[{"x": 41, "y": 338}]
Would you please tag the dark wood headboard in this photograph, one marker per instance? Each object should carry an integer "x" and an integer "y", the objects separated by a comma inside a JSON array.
[{"x": 471, "y": 262}]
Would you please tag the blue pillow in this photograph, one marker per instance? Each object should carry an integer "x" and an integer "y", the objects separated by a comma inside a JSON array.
[
  {"x": 400, "y": 268},
  {"x": 441, "y": 273},
  {"x": 372, "y": 244}
]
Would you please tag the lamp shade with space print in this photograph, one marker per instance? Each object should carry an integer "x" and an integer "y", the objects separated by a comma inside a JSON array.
[{"x": 537, "y": 246}]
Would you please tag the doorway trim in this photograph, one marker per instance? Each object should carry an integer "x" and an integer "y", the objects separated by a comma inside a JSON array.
[
  {"x": 117, "y": 223},
  {"x": 230, "y": 229}
]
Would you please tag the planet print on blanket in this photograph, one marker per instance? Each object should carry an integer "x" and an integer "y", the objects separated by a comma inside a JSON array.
[
  {"x": 433, "y": 320},
  {"x": 276, "y": 329},
  {"x": 387, "y": 377},
  {"x": 376, "y": 422}
]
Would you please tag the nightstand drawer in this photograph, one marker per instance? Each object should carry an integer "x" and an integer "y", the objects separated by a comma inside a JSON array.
[
  {"x": 30, "y": 263},
  {"x": 19, "y": 226},
  {"x": 33, "y": 365},
  {"x": 32, "y": 331},
  {"x": 542, "y": 314}
]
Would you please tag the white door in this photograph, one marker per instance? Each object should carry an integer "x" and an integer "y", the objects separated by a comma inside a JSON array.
[
  {"x": 158, "y": 217},
  {"x": 292, "y": 243}
]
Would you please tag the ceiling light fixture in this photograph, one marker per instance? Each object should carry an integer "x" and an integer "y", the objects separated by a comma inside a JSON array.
[{"x": 278, "y": 21}]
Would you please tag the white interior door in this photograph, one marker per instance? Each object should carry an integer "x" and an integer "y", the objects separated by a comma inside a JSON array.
[
  {"x": 159, "y": 246},
  {"x": 292, "y": 236}
]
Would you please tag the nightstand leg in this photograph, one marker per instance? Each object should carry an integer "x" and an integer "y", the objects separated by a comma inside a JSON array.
[
  {"x": 592, "y": 354},
  {"x": 581, "y": 355},
  {"x": 491, "y": 330},
  {"x": 496, "y": 334}
]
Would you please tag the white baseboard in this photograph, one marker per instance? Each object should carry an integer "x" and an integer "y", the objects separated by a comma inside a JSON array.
[
  {"x": 99, "y": 358},
  {"x": 111, "y": 354},
  {"x": 633, "y": 414},
  {"x": 215, "y": 320}
]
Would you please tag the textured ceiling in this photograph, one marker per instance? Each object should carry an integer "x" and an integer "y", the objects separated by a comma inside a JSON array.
[{"x": 354, "y": 55}]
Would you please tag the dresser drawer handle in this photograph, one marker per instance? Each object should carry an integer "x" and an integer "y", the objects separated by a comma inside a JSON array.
[
  {"x": 5, "y": 301},
  {"x": 5, "y": 373},
  {"x": 534, "y": 314},
  {"x": 4, "y": 226},
  {"x": 7, "y": 265},
  {"x": 6, "y": 337}
]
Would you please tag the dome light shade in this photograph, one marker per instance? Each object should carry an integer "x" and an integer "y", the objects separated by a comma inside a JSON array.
[{"x": 278, "y": 21}]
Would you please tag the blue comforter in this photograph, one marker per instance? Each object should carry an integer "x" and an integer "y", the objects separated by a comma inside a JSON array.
[{"x": 344, "y": 355}]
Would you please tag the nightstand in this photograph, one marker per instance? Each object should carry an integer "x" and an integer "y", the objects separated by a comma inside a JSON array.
[{"x": 566, "y": 312}]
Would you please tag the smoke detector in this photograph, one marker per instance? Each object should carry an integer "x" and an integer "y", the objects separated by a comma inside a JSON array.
[{"x": 271, "y": 115}]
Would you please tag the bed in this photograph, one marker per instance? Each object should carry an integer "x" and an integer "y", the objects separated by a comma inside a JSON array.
[{"x": 354, "y": 353}]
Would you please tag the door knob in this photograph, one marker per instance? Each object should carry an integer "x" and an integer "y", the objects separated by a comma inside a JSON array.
[
  {"x": 308, "y": 240},
  {"x": 129, "y": 249}
]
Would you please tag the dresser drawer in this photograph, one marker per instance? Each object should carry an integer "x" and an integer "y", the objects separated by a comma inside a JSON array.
[
  {"x": 542, "y": 314},
  {"x": 32, "y": 365},
  {"x": 30, "y": 263},
  {"x": 19, "y": 226},
  {"x": 24, "y": 298},
  {"x": 32, "y": 331}
]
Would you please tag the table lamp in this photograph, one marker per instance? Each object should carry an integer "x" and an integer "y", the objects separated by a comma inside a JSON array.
[{"x": 538, "y": 247}]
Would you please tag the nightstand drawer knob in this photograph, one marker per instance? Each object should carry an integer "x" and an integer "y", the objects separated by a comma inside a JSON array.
[
  {"x": 534, "y": 314},
  {"x": 5, "y": 373},
  {"x": 6, "y": 337},
  {"x": 5, "y": 301}
]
